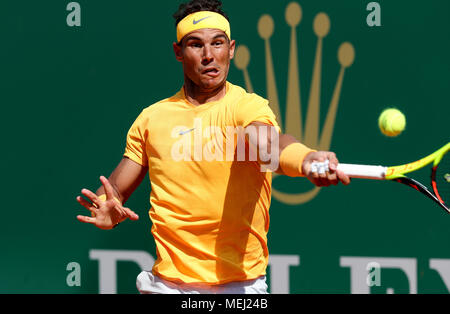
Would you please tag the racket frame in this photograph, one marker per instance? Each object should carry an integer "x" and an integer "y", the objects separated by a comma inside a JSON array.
[{"x": 397, "y": 173}]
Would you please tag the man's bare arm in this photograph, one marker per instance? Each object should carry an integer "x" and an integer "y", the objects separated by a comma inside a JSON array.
[
  {"x": 108, "y": 211},
  {"x": 127, "y": 176},
  {"x": 332, "y": 177}
]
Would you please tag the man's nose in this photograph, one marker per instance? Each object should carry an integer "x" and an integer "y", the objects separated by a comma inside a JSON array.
[{"x": 207, "y": 57}]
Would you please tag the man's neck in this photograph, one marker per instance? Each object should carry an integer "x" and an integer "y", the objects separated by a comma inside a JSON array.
[{"x": 199, "y": 96}]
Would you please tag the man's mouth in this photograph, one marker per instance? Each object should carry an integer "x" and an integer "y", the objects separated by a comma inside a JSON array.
[{"x": 211, "y": 72}]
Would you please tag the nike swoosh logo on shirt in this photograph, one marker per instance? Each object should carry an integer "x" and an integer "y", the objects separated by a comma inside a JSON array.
[
  {"x": 186, "y": 131},
  {"x": 198, "y": 21}
]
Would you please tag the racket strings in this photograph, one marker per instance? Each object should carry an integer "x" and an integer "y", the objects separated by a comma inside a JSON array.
[{"x": 442, "y": 179}]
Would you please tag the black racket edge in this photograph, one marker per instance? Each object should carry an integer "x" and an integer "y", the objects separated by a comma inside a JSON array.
[{"x": 416, "y": 185}]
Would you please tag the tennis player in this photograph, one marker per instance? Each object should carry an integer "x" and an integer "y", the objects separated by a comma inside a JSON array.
[{"x": 209, "y": 199}]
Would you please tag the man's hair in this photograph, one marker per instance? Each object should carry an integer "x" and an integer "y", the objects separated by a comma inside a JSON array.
[{"x": 198, "y": 5}]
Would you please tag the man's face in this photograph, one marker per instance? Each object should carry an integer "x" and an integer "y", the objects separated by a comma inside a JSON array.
[{"x": 205, "y": 55}]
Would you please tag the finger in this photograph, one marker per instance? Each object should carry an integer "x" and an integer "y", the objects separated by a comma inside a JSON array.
[
  {"x": 332, "y": 178},
  {"x": 331, "y": 174},
  {"x": 85, "y": 219},
  {"x": 333, "y": 162},
  {"x": 86, "y": 204},
  {"x": 126, "y": 212},
  {"x": 323, "y": 175},
  {"x": 108, "y": 188},
  {"x": 314, "y": 176},
  {"x": 314, "y": 169},
  {"x": 131, "y": 214},
  {"x": 323, "y": 179},
  {"x": 343, "y": 177},
  {"x": 91, "y": 196}
]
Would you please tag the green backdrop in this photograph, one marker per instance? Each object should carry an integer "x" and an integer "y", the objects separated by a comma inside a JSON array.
[{"x": 69, "y": 94}]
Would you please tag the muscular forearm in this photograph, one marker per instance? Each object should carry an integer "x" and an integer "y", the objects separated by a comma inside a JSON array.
[
  {"x": 285, "y": 151},
  {"x": 124, "y": 180},
  {"x": 101, "y": 191}
]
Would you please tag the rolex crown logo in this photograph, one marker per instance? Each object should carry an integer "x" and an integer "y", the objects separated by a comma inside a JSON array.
[{"x": 293, "y": 121}]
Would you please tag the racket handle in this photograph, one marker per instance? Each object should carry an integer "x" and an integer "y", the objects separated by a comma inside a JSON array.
[{"x": 363, "y": 171}]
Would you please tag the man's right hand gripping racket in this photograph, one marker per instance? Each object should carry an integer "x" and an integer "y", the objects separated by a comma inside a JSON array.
[{"x": 440, "y": 174}]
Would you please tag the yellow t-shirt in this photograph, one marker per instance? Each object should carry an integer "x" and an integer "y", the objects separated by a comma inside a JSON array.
[{"x": 210, "y": 216}]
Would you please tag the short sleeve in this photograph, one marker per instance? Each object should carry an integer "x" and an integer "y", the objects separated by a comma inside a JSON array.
[
  {"x": 253, "y": 108},
  {"x": 136, "y": 139}
]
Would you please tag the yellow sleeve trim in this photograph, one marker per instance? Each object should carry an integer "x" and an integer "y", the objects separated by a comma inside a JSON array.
[{"x": 135, "y": 158}]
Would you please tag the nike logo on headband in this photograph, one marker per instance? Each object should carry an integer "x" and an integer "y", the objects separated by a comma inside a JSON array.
[{"x": 198, "y": 21}]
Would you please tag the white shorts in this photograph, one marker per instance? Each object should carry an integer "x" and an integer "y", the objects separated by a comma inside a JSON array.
[{"x": 147, "y": 283}]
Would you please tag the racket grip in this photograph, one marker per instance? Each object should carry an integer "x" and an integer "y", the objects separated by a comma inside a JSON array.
[{"x": 363, "y": 171}]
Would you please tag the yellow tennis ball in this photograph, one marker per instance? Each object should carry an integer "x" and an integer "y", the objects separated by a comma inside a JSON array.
[{"x": 392, "y": 122}]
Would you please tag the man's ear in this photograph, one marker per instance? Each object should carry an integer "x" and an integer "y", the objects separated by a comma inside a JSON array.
[
  {"x": 178, "y": 50},
  {"x": 232, "y": 48}
]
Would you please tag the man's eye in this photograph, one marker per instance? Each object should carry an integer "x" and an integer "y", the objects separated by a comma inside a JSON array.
[{"x": 217, "y": 43}]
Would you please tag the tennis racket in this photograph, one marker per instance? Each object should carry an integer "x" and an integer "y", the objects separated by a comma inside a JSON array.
[{"x": 440, "y": 175}]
